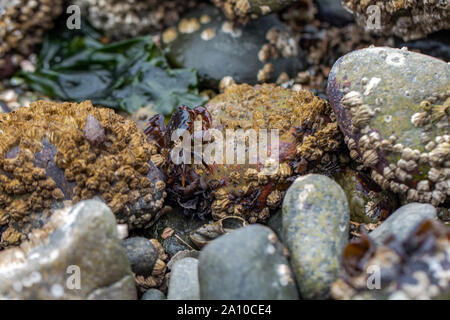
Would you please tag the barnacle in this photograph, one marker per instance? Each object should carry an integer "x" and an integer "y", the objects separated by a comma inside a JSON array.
[
  {"x": 414, "y": 269},
  {"x": 249, "y": 178},
  {"x": 130, "y": 18},
  {"x": 51, "y": 152},
  {"x": 22, "y": 25},
  {"x": 244, "y": 10},
  {"x": 409, "y": 19}
]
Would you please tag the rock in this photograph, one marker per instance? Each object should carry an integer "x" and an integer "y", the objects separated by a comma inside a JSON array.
[
  {"x": 183, "y": 284},
  {"x": 182, "y": 255},
  {"x": 182, "y": 225},
  {"x": 153, "y": 294},
  {"x": 76, "y": 255},
  {"x": 315, "y": 229},
  {"x": 403, "y": 221},
  {"x": 333, "y": 12},
  {"x": 416, "y": 268},
  {"x": 4, "y": 107},
  {"x": 142, "y": 255},
  {"x": 258, "y": 52},
  {"x": 407, "y": 19},
  {"x": 368, "y": 203},
  {"x": 275, "y": 223},
  {"x": 436, "y": 45},
  {"x": 248, "y": 263},
  {"x": 392, "y": 105}
]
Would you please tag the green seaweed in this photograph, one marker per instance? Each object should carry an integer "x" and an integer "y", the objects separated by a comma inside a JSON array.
[{"x": 126, "y": 75}]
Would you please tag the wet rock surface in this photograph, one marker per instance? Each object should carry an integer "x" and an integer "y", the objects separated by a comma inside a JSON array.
[
  {"x": 153, "y": 294},
  {"x": 392, "y": 105},
  {"x": 184, "y": 283},
  {"x": 216, "y": 48},
  {"x": 248, "y": 263},
  {"x": 77, "y": 255},
  {"x": 368, "y": 203},
  {"x": 406, "y": 19},
  {"x": 315, "y": 229},
  {"x": 142, "y": 255},
  {"x": 402, "y": 222},
  {"x": 416, "y": 268}
]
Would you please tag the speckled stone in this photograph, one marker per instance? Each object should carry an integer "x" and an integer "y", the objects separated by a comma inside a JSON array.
[
  {"x": 403, "y": 221},
  {"x": 81, "y": 238},
  {"x": 392, "y": 106},
  {"x": 315, "y": 229},
  {"x": 217, "y": 49},
  {"x": 153, "y": 294},
  {"x": 246, "y": 264},
  {"x": 142, "y": 255},
  {"x": 183, "y": 284}
]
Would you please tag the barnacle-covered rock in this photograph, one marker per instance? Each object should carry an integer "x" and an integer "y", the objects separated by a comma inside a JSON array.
[
  {"x": 244, "y": 10},
  {"x": 147, "y": 258},
  {"x": 258, "y": 52},
  {"x": 368, "y": 203},
  {"x": 247, "y": 174},
  {"x": 409, "y": 19},
  {"x": 308, "y": 136},
  {"x": 122, "y": 19},
  {"x": 22, "y": 25},
  {"x": 51, "y": 152},
  {"x": 393, "y": 106},
  {"x": 416, "y": 268}
]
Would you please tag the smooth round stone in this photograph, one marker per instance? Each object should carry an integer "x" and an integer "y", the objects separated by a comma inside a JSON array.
[
  {"x": 204, "y": 40},
  {"x": 315, "y": 227},
  {"x": 142, "y": 255},
  {"x": 392, "y": 106},
  {"x": 403, "y": 221},
  {"x": 368, "y": 203},
  {"x": 246, "y": 264},
  {"x": 153, "y": 294},
  {"x": 183, "y": 284},
  {"x": 79, "y": 256}
]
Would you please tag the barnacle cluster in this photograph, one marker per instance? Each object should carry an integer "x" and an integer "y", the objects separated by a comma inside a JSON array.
[
  {"x": 250, "y": 188},
  {"x": 157, "y": 276},
  {"x": 22, "y": 25},
  {"x": 411, "y": 158},
  {"x": 409, "y": 19},
  {"x": 366, "y": 145},
  {"x": 414, "y": 269},
  {"x": 130, "y": 18},
  {"x": 244, "y": 10},
  {"x": 51, "y": 152}
]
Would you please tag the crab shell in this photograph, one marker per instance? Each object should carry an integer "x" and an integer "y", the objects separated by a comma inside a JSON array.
[
  {"x": 51, "y": 152},
  {"x": 307, "y": 137}
]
